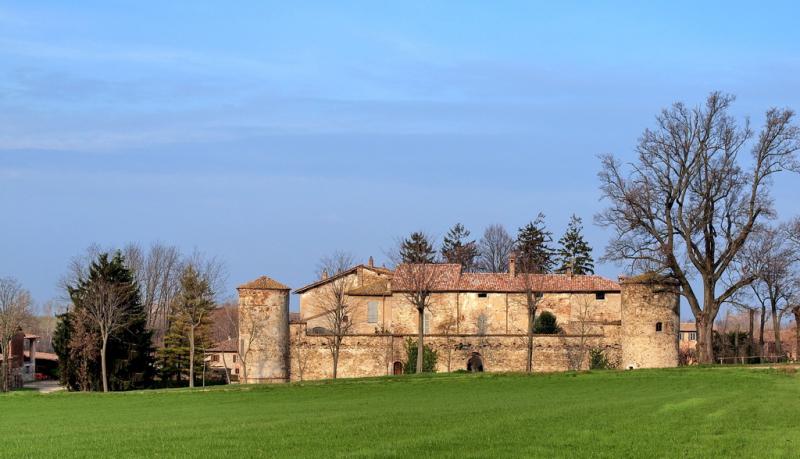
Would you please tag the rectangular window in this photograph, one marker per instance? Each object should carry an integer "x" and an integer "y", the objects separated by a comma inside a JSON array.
[
  {"x": 215, "y": 358},
  {"x": 426, "y": 323},
  {"x": 234, "y": 358},
  {"x": 372, "y": 312},
  {"x": 692, "y": 336},
  {"x": 538, "y": 294},
  {"x": 482, "y": 295},
  {"x": 236, "y": 371},
  {"x": 600, "y": 296}
]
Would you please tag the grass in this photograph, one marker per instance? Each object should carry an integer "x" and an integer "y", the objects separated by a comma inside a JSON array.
[{"x": 688, "y": 412}]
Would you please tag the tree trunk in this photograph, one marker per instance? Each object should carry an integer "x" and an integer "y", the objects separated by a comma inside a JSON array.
[
  {"x": 336, "y": 344},
  {"x": 796, "y": 312},
  {"x": 420, "y": 338},
  {"x": 191, "y": 357},
  {"x": 776, "y": 329},
  {"x": 705, "y": 339},
  {"x": 103, "y": 370},
  {"x": 761, "y": 331},
  {"x": 529, "y": 357},
  {"x": 5, "y": 370},
  {"x": 751, "y": 339}
]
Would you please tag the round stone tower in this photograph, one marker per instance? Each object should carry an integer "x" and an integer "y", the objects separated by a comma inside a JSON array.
[
  {"x": 264, "y": 331},
  {"x": 650, "y": 322}
]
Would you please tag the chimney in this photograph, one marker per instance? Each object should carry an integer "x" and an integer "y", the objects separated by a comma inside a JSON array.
[
  {"x": 371, "y": 262},
  {"x": 512, "y": 265},
  {"x": 324, "y": 274}
]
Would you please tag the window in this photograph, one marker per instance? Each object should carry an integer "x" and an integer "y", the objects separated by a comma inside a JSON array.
[
  {"x": 236, "y": 371},
  {"x": 215, "y": 357},
  {"x": 538, "y": 294},
  {"x": 372, "y": 312},
  {"x": 692, "y": 336},
  {"x": 234, "y": 358},
  {"x": 482, "y": 295},
  {"x": 600, "y": 296},
  {"x": 426, "y": 323},
  {"x": 658, "y": 326}
]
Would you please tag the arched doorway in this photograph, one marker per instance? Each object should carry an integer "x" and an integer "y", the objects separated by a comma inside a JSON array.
[
  {"x": 475, "y": 363},
  {"x": 397, "y": 368}
]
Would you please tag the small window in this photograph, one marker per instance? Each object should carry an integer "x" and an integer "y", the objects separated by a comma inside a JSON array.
[
  {"x": 234, "y": 358},
  {"x": 600, "y": 296},
  {"x": 426, "y": 323},
  {"x": 538, "y": 294},
  {"x": 659, "y": 326},
  {"x": 482, "y": 295},
  {"x": 236, "y": 371},
  {"x": 215, "y": 357},
  {"x": 372, "y": 312},
  {"x": 692, "y": 336}
]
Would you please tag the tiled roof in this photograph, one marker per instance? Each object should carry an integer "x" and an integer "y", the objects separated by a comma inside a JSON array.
[
  {"x": 377, "y": 288},
  {"x": 343, "y": 273},
  {"x": 229, "y": 345},
  {"x": 264, "y": 283},
  {"x": 688, "y": 326},
  {"x": 449, "y": 278}
]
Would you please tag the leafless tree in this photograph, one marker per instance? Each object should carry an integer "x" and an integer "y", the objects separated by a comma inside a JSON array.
[
  {"x": 687, "y": 206},
  {"x": 417, "y": 282},
  {"x": 447, "y": 326},
  {"x": 336, "y": 306},
  {"x": 768, "y": 255},
  {"x": 194, "y": 306},
  {"x": 249, "y": 326},
  {"x": 584, "y": 328},
  {"x": 494, "y": 249},
  {"x": 15, "y": 313},
  {"x": 107, "y": 305},
  {"x": 157, "y": 272},
  {"x": 531, "y": 300}
]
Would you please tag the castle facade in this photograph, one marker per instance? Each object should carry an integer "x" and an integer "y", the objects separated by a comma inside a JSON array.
[{"x": 475, "y": 322}]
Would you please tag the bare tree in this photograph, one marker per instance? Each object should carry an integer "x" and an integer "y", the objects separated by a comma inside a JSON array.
[
  {"x": 531, "y": 299},
  {"x": 583, "y": 327},
  {"x": 107, "y": 304},
  {"x": 194, "y": 305},
  {"x": 768, "y": 255},
  {"x": 417, "y": 282},
  {"x": 494, "y": 249},
  {"x": 337, "y": 307},
  {"x": 249, "y": 326},
  {"x": 687, "y": 206},
  {"x": 447, "y": 327},
  {"x": 15, "y": 312},
  {"x": 157, "y": 272}
]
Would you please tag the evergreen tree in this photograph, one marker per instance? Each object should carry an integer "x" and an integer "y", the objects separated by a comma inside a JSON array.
[
  {"x": 128, "y": 354},
  {"x": 417, "y": 249},
  {"x": 546, "y": 324},
  {"x": 575, "y": 254},
  {"x": 456, "y": 249},
  {"x": 534, "y": 255}
]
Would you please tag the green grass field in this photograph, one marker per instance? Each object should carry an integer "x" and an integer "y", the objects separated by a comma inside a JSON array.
[{"x": 657, "y": 413}]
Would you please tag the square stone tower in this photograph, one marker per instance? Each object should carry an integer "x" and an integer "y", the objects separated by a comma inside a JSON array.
[{"x": 264, "y": 331}]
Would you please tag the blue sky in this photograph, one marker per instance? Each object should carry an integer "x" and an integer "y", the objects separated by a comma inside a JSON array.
[{"x": 269, "y": 134}]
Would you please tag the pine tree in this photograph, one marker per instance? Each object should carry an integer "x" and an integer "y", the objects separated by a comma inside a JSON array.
[
  {"x": 456, "y": 249},
  {"x": 128, "y": 354},
  {"x": 534, "y": 255},
  {"x": 417, "y": 249},
  {"x": 575, "y": 254}
]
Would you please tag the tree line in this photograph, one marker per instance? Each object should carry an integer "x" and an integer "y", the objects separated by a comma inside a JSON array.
[{"x": 136, "y": 318}]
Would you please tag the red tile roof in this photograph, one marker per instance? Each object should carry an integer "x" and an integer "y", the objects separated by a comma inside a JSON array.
[
  {"x": 352, "y": 270},
  {"x": 263, "y": 283},
  {"x": 449, "y": 278},
  {"x": 229, "y": 345}
]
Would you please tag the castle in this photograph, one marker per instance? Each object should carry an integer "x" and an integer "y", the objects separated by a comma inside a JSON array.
[{"x": 476, "y": 321}]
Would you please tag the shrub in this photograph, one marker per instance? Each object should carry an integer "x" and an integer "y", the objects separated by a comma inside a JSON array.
[
  {"x": 598, "y": 360},
  {"x": 546, "y": 324},
  {"x": 429, "y": 358}
]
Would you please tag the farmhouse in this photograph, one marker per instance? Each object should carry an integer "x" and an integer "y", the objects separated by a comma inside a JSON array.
[{"x": 476, "y": 321}]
